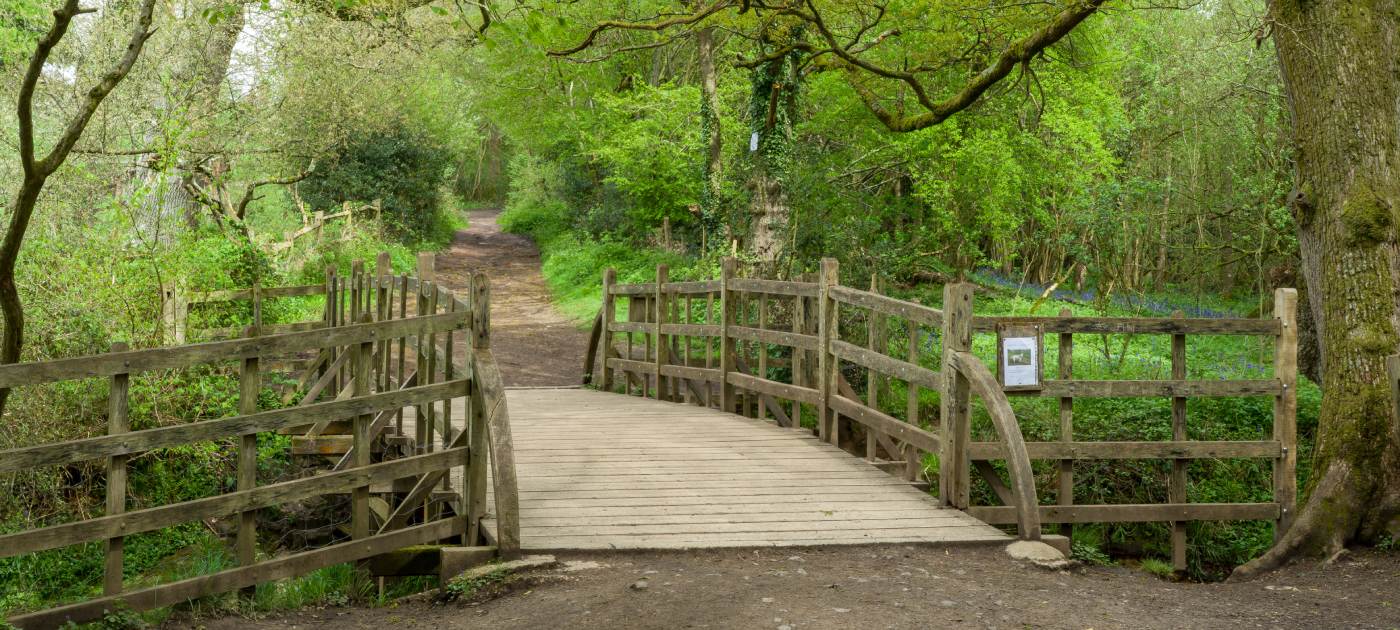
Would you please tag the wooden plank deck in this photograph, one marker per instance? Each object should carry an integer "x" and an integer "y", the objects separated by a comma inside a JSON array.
[{"x": 606, "y": 471}]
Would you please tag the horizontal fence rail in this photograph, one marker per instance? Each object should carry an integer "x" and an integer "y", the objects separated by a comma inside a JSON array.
[
  {"x": 789, "y": 350},
  {"x": 387, "y": 352}
]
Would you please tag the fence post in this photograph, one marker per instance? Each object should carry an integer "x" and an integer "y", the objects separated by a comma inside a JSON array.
[
  {"x": 475, "y": 482},
  {"x": 359, "y": 497},
  {"x": 249, "y": 384},
  {"x": 423, "y": 427},
  {"x": 663, "y": 275},
  {"x": 726, "y": 344},
  {"x": 320, "y": 223},
  {"x": 1065, "y": 495},
  {"x": 384, "y": 310},
  {"x": 1176, "y": 490},
  {"x": 605, "y": 343},
  {"x": 1286, "y": 408},
  {"x": 257, "y": 306},
  {"x": 875, "y": 341},
  {"x": 826, "y": 363},
  {"x": 117, "y": 422},
  {"x": 953, "y": 478}
]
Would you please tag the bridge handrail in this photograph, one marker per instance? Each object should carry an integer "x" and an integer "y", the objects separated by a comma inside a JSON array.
[
  {"x": 355, "y": 341},
  {"x": 772, "y": 343}
]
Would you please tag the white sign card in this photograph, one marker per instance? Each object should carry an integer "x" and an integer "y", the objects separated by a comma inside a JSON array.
[
  {"x": 1019, "y": 359},
  {"x": 753, "y": 142}
]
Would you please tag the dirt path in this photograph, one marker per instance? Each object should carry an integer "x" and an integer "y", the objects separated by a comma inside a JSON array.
[
  {"x": 533, "y": 343},
  {"x": 882, "y": 587}
]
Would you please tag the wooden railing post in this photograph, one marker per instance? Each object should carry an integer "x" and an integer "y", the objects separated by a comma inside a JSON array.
[
  {"x": 799, "y": 356},
  {"x": 1286, "y": 408},
  {"x": 117, "y": 422},
  {"x": 875, "y": 341},
  {"x": 423, "y": 433},
  {"x": 249, "y": 385},
  {"x": 474, "y": 485},
  {"x": 1065, "y": 495},
  {"x": 826, "y": 362},
  {"x": 384, "y": 311},
  {"x": 605, "y": 343},
  {"x": 359, "y": 497},
  {"x": 726, "y": 343},
  {"x": 953, "y": 478},
  {"x": 1176, "y": 489},
  {"x": 663, "y": 354}
]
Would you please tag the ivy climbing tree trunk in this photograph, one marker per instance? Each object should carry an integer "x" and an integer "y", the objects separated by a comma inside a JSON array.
[
  {"x": 1341, "y": 69},
  {"x": 772, "y": 107},
  {"x": 711, "y": 134}
]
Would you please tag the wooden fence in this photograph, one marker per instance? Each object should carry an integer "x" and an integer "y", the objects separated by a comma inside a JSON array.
[
  {"x": 782, "y": 349},
  {"x": 385, "y": 345}
]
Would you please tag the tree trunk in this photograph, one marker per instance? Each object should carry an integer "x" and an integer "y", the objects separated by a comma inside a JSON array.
[
  {"x": 1340, "y": 63},
  {"x": 711, "y": 134}
]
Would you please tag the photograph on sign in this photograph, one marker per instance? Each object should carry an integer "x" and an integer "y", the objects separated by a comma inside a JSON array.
[{"x": 1019, "y": 361}]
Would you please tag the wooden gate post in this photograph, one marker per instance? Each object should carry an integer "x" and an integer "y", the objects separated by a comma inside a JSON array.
[
  {"x": 663, "y": 275},
  {"x": 117, "y": 422},
  {"x": 726, "y": 343},
  {"x": 359, "y": 497},
  {"x": 605, "y": 343},
  {"x": 1286, "y": 408},
  {"x": 475, "y": 482},
  {"x": 827, "y": 321},
  {"x": 953, "y": 478},
  {"x": 423, "y": 427},
  {"x": 249, "y": 384}
]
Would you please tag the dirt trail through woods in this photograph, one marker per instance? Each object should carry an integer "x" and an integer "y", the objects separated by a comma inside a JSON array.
[{"x": 534, "y": 344}]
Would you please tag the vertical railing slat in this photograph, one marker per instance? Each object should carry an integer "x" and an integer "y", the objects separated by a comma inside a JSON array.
[
  {"x": 1286, "y": 408},
  {"x": 118, "y": 421}
]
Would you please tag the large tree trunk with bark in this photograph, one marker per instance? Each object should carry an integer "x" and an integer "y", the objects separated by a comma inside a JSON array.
[
  {"x": 711, "y": 134},
  {"x": 1341, "y": 69}
]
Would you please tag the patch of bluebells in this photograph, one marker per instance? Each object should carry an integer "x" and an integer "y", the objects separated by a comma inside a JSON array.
[{"x": 1154, "y": 305}]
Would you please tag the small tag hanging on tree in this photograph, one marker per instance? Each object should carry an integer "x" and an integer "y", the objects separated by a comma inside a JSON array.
[{"x": 753, "y": 142}]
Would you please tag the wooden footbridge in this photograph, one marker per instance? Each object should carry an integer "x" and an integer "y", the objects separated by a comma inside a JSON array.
[{"x": 729, "y": 412}]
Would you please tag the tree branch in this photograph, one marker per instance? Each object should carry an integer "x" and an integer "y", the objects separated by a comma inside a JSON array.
[
  {"x": 654, "y": 25},
  {"x": 936, "y": 112}
]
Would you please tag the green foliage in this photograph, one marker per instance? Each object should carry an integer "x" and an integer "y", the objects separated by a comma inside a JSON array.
[
  {"x": 402, "y": 167},
  {"x": 1158, "y": 567},
  {"x": 466, "y": 586}
]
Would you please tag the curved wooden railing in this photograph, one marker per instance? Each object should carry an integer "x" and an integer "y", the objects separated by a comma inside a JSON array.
[
  {"x": 790, "y": 351},
  {"x": 1018, "y": 460},
  {"x": 385, "y": 357}
]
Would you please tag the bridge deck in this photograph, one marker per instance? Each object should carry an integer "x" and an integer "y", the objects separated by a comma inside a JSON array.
[{"x": 606, "y": 471}]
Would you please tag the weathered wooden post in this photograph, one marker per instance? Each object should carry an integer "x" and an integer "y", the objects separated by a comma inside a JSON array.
[
  {"x": 726, "y": 343},
  {"x": 359, "y": 496},
  {"x": 117, "y": 422},
  {"x": 605, "y": 343},
  {"x": 423, "y": 427},
  {"x": 1286, "y": 408},
  {"x": 953, "y": 478},
  {"x": 384, "y": 310},
  {"x": 249, "y": 385},
  {"x": 829, "y": 276},
  {"x": 875, "y": 341},
  {"x": 1065, "y": 495},
  {"x": 1176, "y": 489},
  {"x": 663, "y": 354},
  {"x": 478, "y": 439}
]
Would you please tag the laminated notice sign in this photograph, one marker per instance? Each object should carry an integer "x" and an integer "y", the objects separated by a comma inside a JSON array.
[{"x": 1018, "y": 360}]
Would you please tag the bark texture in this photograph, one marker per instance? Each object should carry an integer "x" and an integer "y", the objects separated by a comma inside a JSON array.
[{"x": 1341, "y": 69}]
